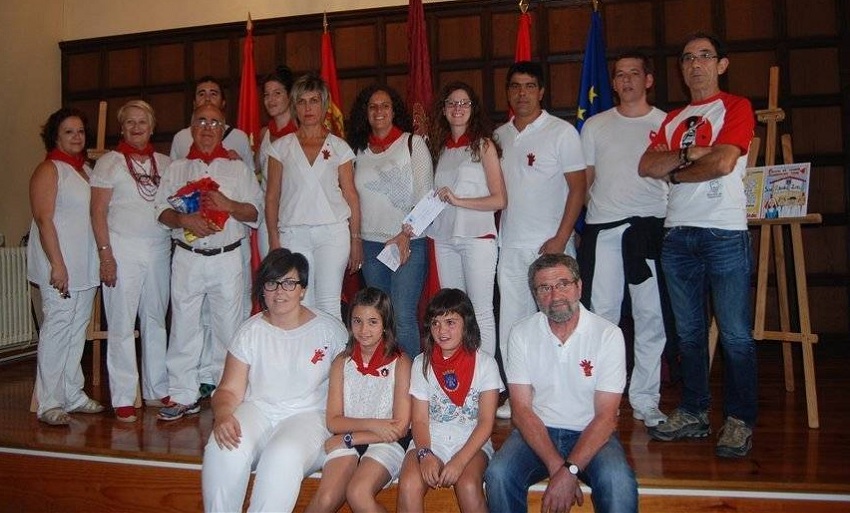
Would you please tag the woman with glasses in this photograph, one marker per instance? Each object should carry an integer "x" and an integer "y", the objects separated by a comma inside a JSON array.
[
  {"x": 135, "y": 260},
  {"x": 392, "y": 173},
  {"x": 469, "y": 178},
  {"x": 269, "y": 407},
  {"x": 312, "y": 206}
]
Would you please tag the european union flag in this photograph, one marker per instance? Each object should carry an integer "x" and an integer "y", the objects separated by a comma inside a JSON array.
[{"x": 595, "y": 91}]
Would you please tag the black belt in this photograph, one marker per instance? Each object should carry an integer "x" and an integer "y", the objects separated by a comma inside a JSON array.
[{"x": 209, "y": 251}]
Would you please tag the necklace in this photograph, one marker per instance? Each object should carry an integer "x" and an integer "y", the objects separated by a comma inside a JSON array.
[{"x": 146, "y": 183}]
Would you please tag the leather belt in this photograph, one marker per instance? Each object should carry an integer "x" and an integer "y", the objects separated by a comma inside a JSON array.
[{"x": 208, "y": 251}]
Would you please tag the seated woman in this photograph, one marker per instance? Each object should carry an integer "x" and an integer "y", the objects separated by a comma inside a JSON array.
[
  {"x": 269, "y": 407},
  {"x": 368, "y": 410}
]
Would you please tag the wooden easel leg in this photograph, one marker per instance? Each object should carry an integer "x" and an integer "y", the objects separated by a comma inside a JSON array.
[
  {"x": 784, "y": 308},
  {"x": 805, "y": 325}
]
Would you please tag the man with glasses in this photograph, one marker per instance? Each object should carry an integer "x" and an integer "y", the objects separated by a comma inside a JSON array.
[
  {"x": 701, "y": 151},
  {"x": 621, "y": 243},
  {"x": 566, "y": 370},
  {"x": 205, "y": 267},
  {"x": 543, "y": 166}
]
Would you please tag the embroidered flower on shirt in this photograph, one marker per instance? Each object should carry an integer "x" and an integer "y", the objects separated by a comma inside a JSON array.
[
  {"x": 587, "y": 367},
  {"x": 318, "y": 356},
  {"x": 326, "y": 154},
  {"x": 531, "y": 159}
]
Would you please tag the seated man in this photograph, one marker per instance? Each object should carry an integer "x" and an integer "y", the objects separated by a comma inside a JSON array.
[{"x": 566, "y": 369}]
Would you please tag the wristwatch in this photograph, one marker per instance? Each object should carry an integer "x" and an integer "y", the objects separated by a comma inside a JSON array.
[
  {"x": 572, "y": 468},
  {"x": 421, "y": 453},
  {"x": 348, "y": 440}
]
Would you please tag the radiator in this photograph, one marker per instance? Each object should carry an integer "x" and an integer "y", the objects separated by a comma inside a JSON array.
[{"x": 16, "y": 325}]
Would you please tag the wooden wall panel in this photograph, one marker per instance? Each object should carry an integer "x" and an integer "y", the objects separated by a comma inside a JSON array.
[
  {"x": 824, "y": 249},
  {"x": 459, "y": 38},
  {"x": 500, "y": 94},
  {"x": 90, "y": 108},
  {"x": 399, "y": 83},
  {"x": 473, "y": 77},
  {"x": 211, "y": 58},
  {"x": 83, "y": 72},
  {"x": 124, "y": 68},
  {"x": 830, "y": 307},
  {"x": 752, "y": 19},
  {"x": 171, "y": 113},
  {"x": 303, "y": 50},
  {"x": 349, "y": 88},
  {"x": 676, "y": 90},
  {"x": 166, "y": 64},
  {"x": 814, "y": 71},
  {"x": 826, "y": 190},
  {"x": 504, "y": 31},
  {"x": 397, "y": 39},
  {"x": 567, "y": 28},
  {"x": 563, "y": 84},
  {"x": 811, "y": 18},
  {"x": 816, "y": 130},
  {"x": 749, "y": 73},
  {"x": 265, "y": 54},
  {"x": 113, "y": 129},
  {"x": 621, "y": 29},
  {"x": 355, "y": 47},
  {"x": 683, "y": 17}
]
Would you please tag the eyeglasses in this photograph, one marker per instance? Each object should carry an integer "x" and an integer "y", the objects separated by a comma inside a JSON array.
[
  {"x": 212, "y": 124},
  {"x": 560, "y": 286},
  {"x": 288, "y": 285},
  {"x": 528, "y": 86},
  {"x": 459, "y": 104},
  {"x": 689, "y": 58}
]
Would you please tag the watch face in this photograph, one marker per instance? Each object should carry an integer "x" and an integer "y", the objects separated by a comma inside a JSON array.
[{"x": 573, "y": 469}]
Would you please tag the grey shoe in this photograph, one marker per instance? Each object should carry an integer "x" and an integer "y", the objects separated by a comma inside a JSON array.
[
  {"x": 178, "y": 411},
  {"x": 681, "y": 424},
  {"x": 736, "y": 439}
]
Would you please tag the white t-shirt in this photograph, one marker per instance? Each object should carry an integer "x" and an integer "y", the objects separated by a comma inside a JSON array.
[
  {"x": 236, "y": 140},
  {"x": 390, "y": 184},
  {"x": 451, "y": 426},
  {"x": 288, "y": 369},
  {"x": 721, "y": 202},
  {"x": 466, "y": 179},
  {"x": 534, "y": 162},
  {"x": 310, "y": 194},
  {"x": 73, "y": 229},
  {"x": 235, "y": 181},
  {"x": 129, "y": 214},
  {"x": 565, "y": 377},
  {"x": 613, "y": 144}
]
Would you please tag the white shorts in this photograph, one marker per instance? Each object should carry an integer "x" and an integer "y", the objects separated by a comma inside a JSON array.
[{"x": 389, "y": 455}]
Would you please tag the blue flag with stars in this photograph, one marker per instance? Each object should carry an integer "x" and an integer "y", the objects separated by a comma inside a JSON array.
[{"x": 595, "y": 91}]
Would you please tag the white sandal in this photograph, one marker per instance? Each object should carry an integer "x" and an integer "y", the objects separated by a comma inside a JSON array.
[{"x": 55, "y": 417}]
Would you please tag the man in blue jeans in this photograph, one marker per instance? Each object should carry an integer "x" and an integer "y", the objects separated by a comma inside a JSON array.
[
  {"x": 566, "y": 369},
  {"x": 701, "y": 150}
]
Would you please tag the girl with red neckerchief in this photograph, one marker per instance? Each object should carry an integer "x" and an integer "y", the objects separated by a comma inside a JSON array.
[
  {"x": 368, "y": 410},
  {"x": 455, "y": 389}
]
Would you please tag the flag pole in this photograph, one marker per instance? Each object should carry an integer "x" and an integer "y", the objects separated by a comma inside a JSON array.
[
  {"x": 595, "y": 5},
  {"x": 523, "y": 6}
]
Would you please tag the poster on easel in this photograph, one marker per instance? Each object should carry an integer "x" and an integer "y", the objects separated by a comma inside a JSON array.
[{"x": 776, "y": 192}]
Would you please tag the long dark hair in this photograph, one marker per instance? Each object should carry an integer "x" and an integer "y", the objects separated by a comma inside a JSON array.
[
  {"x": 358, "y": 128},
  {"x": 478, "y": 128},
  {"x": 380, "y": 301},
  {"x": 448, "y": 301}
]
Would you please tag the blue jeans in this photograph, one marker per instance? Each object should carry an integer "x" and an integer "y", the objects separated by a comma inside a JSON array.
[
  {"x": 697, "y": 261},
  {"x": 403, "y": 286},
  {"x": 515, "y": 467}
]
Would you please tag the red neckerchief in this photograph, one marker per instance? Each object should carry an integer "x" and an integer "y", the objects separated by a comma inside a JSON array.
[
  {"x": 382, "y": 143},
  {"x": 277, "y": 133},
  {"x": 128, "y": 151},
  {"x": 462, "y": 142},
  {"x": 218, "y": 153},
  {"x": 76, "y": 162},
  {"x": 125, "y": 148},
  {"x": 455, "y": 374},
  {"x": 377, "y": 361}
]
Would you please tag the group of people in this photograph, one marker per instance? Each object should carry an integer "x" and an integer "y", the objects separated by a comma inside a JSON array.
[{"x": 294, "y": 391}]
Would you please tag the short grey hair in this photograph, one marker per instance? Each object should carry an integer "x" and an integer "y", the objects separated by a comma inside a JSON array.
[
  {"x": 137, "y": 104},
  {"x": 548, "y": 261}
]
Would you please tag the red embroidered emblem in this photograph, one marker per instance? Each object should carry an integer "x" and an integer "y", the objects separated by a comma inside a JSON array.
[
  {"x": 318, "y": 356},
  {"x": 531, "y": 159},
  {"x": 588, "y": 368},
  {"x": 326, "y": 154}
]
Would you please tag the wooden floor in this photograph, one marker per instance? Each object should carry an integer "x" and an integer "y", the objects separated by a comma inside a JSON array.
[{"x": 791, "y": 467}]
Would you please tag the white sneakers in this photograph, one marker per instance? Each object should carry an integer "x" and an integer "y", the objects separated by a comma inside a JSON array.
[{"x": 651, "y": 417}]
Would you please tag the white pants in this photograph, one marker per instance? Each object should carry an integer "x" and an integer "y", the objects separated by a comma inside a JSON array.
[
  {"x": 606, "y": 300},
  {"x": 469, "y": 264},
  {"x": 194, "y": 278},
  {"x": 61, "y": 340},
  {"x": 283, "y": 453},
  {"x": 515, "y": 299},
  {"x": 143, "y": 277},
  {"x": 326, "y": 248}
]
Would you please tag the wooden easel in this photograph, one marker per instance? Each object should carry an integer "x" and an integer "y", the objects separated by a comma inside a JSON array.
[
  {"x": 94, "y": 332},
  {"x": 773, "y": 228}
]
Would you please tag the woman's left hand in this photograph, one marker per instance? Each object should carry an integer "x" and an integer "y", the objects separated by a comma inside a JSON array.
[
  {"x": 450, "y": 473},
  {"x": 355, "y": 256},
  {"x": 227, "y": 432}
]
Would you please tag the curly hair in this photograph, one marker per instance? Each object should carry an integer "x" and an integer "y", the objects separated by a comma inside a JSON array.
[
  {"x": 50, "y": 130},
  {"x": 358, "y": 128},
  {"x": 380, "y": 301},
  {"x": 445, "y": 302},
  {"x": 478, "y": 128}
]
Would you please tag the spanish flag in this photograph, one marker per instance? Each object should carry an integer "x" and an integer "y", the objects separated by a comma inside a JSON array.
[{"x": 334, "y": 120}]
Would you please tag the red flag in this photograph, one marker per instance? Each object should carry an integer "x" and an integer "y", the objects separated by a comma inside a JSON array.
[
  {"x": 419, "y": 94},
  {"x": 419, "y": 91},
  {"x": 333, "y": 118},
  {"x": 248, "y": 120},
  {"x": 523, "y": 38}
]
